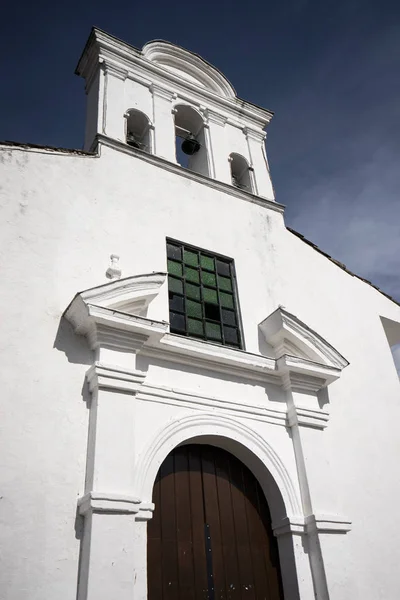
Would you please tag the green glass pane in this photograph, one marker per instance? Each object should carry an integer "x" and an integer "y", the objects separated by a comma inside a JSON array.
[
  {"x": 195, "y": 327},
  {"x": 226, "y": 300},
  {"x": 191, "y": 258},
  {"x": 192, "y": 291},
  {"x": 207, "y": 263},
  {"x": 175, "y": 285},
  {"x": 210, "y": 296},
  {"x": 224, "y": 283},
  {"x": 231, "y": 335},
  {"x": 174, "y": 268},
  {"x": 208, "y": 279},
  {"x": 174, "y": 251},
  {"x": 177, "y": 322},
  {"x": 176, "y": 302},
  {"x": 192, "y": 275},
  {"x": 213, "y": 331},
  {"x": 228, "y": 317},
  {"x": 223, "y": 268},
  {"x": 193, "y": 309}
]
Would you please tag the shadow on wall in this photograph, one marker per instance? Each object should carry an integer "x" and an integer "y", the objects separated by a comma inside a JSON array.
[
  {"x": 396, "y": 357},
  {"x": 263, "y": 347},
  {"x": 392, "y": 331},
  {"x": 75, "y": 347}
]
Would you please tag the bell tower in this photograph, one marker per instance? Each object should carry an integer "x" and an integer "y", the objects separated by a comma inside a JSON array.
[{"x": 170, "y": 103}]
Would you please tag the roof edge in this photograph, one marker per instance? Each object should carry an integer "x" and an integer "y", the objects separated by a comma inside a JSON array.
[
  {"x": 29, "y": 145},
  {"x": 341, "y": 265}
]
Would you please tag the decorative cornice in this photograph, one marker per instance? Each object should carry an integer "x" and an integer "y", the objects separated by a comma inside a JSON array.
[
  {"x": 220, "y": 186},
  {"x": 139, "y": 79},
  {"x": 150, "y": 392},
  {"x": 214, "y": 117},
  {"x": 115, "y": 70},
  {"x": 213, "y": 357},
  {"x": 146, "y": 510},
  {"x": 158, "y": 90},
  {"x": 317, "y": 419},
  {"x": 311, "y": 524},
  {"x": 132, "y": 59},
  {"x": 323, "y": 523},
  {"x": 102, "y": 377},
  {"x": 254, "y": 134},
  {"x": 114, "y": 329},
  {"x": 289, "y": 525},
  {"x": 107, "y": 502},
  {"x": 302, "y": 374},
  {"x": 99, "y": 335}
]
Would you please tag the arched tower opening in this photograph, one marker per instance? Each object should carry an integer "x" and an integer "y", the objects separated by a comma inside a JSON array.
[
  {"x": 240, "y": 172},
  {"x": 138, "y": 130},
  {"x": 190, "y": 139}
]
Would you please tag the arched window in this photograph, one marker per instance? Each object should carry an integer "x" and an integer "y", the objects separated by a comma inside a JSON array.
[
  {"x": 240, "y": 172},
  {"x": 138, "y": 130},
  {"x": 191, "y": 151}
]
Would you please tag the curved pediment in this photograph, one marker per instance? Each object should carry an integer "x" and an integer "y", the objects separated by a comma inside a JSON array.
[
  {"x": 112, "y": 316},
  {"x": 288, "y": 335},
  {"x": 189, "y": 67},
  {"x": 130, "y": 295}
]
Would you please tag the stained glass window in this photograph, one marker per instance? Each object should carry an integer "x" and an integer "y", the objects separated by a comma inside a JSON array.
[{"x": 202, "y": 296}]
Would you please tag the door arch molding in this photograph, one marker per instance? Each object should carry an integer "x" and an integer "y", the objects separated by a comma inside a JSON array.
[{"x": 247, "y": 445}]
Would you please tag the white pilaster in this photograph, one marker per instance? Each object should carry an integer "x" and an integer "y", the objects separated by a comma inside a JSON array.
[
  {"x": 109, "y": 506},
  {"x": 95, "y": 100},
  {"x": 163, "y": 120},
  {"x": 218, "y": 150},
  {"x": 261, "y": 176},
  {"x": 109, "y": 546},
  {"x": 316, "y": 482},
  {"x": 114, "y": 90},
  {"x": 294, "y": 559}
]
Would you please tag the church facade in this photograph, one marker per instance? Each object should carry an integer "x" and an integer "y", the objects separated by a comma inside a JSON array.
[{"x": 195, "y": 401}]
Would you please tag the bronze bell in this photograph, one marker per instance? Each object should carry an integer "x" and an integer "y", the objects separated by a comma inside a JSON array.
[
  {"x": 190, "y": 145},
  {"x": 132, "y": 141}
]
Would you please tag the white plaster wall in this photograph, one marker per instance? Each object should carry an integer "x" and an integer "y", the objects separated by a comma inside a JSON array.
[
  {"x": 114, "y": 104},
  {"x": 94, "y": 109},
  {"x": 219, "y": 151},
  {"x": 236, "y": 141},
  {"x": 137, "y": 95},
  {"x": 62, "y": 217}
]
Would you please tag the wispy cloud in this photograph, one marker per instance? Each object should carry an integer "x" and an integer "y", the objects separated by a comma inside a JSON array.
[
  {"x": 337, "y": 164},
  {"x": 355, "y": 216}
]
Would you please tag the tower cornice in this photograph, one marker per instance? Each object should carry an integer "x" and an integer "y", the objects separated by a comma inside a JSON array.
[{"x": 104, "y": 48}]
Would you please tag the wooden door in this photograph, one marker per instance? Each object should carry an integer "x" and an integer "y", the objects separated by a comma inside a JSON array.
[{"x": 210, "y": 537}]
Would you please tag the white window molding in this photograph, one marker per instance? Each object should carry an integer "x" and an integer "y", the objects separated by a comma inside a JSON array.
[{"x": 106, "y": 315}]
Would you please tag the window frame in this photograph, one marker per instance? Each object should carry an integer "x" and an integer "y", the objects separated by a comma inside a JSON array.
[{"x": 235, "y": 297}]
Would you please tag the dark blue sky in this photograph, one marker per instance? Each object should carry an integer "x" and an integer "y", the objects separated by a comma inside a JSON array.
[{"x": 330, "y": 70}]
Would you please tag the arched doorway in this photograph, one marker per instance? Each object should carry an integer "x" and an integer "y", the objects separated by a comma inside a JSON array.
[{"x": 210, "y": 537}]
